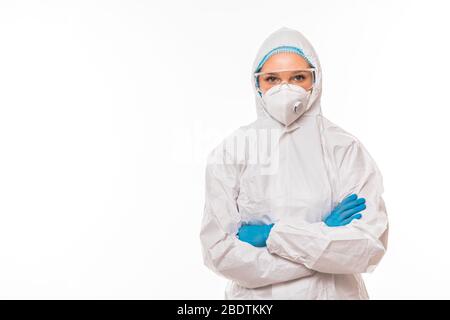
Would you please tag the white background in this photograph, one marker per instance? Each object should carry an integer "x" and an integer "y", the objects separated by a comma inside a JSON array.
[{"x": 109, "y": 108}]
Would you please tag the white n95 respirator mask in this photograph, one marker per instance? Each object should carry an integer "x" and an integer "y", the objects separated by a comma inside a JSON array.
[{"x": 286, "y": 102}]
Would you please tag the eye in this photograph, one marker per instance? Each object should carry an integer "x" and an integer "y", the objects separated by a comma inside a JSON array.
[
  {"x": 270, "y": 79},
  {"x": 299, "y": 77}
]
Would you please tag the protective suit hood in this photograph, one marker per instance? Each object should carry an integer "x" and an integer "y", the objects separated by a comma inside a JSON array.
[{"x": 289, "y": 37}]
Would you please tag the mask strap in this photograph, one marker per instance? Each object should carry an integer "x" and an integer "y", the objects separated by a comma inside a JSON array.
[{"x": 259, "y": 91}]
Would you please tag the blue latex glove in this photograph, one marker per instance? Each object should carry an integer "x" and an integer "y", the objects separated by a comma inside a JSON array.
[
  {"x": 254, "y": 234},
  {"x": 346, "y": 211}
]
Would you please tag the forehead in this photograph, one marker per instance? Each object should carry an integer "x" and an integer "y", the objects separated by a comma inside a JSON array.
[{"x": 283, "y": 61}]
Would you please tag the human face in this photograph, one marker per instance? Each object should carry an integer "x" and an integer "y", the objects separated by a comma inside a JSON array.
[{"x": 288, "y": 67}]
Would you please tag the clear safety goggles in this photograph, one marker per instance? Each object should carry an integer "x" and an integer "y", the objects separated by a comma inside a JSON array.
[{"x": 304, "y": 78}]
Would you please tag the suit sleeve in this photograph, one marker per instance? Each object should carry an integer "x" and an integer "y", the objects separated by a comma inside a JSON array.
[
  {"x": 354, "y": 248},
  {"x": 222, "y": 251}
]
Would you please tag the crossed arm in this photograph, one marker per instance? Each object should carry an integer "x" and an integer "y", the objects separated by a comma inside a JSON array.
[{"x": 297, "y": 250}]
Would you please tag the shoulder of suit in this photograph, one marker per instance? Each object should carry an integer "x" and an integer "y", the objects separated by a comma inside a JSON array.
[{"x": 336, "y": 136}]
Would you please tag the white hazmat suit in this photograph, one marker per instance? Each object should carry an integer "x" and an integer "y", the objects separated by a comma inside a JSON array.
[{"x": 317, "y": 165}]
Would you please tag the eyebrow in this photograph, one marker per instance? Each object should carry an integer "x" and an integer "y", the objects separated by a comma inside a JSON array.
[
  {"x": 272, "y": 73},
  {"x": 294, "y": 72}
]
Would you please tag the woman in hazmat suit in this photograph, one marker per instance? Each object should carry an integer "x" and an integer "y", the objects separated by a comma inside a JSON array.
[{"x": 293, "y": 206}]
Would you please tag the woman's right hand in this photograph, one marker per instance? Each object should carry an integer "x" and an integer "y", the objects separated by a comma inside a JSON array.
[
  {"x": 347, "y": 210},
  {"x": 254, "y": 234}
]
